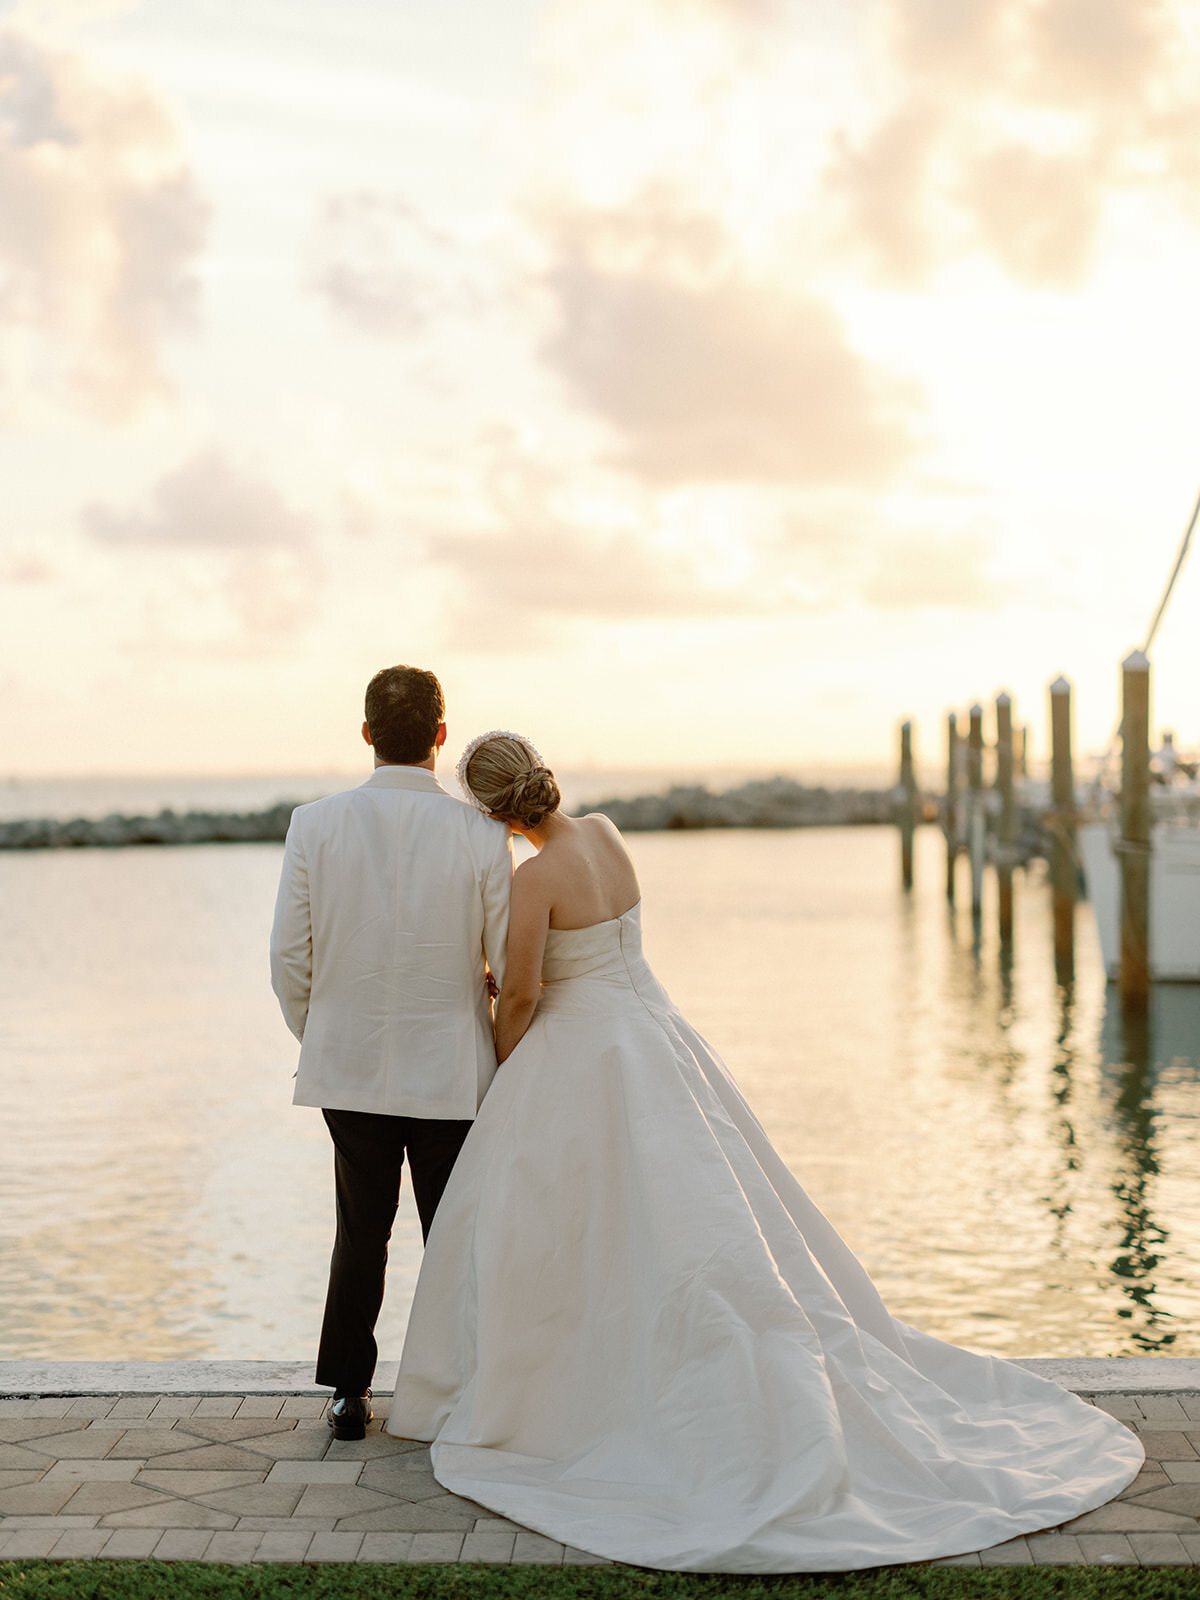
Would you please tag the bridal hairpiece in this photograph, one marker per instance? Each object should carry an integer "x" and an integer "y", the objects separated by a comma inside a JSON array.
[{"x": 460, "y": 772}]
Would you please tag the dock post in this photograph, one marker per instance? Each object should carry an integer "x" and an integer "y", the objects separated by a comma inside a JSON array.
[
  {"x": 1063, "y": 870},
  {"x": 950, "y": 819},
  {"x": 907, "y": 804},
  {"x": 1023, "y": 763},
  {"x": 1007, "y": 829},
  {"x": 976, "y": 813},
  {"x": 1134, "y": 844}
]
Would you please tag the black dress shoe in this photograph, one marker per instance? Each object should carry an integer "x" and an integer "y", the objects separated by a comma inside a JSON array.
[{"x": 349, "y": 1414}]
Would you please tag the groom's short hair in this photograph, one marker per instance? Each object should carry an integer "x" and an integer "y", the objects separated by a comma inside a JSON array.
[{"x": 404, "y": 708}]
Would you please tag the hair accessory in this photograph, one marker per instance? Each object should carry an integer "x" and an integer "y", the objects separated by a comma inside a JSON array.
[{"x": 460, "y": 771}]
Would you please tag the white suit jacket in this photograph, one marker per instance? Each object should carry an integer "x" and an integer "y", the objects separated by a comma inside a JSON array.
[{"x": 391, "y": 897}]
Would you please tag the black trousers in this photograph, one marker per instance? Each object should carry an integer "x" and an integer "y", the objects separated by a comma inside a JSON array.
[{"x": 369, "y": 1153}]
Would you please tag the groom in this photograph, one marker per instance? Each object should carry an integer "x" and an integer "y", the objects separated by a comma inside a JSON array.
[{"x": 392, "y": 898}]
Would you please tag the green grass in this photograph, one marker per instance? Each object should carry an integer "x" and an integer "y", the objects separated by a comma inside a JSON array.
[{"x": 190, "y": 1580}]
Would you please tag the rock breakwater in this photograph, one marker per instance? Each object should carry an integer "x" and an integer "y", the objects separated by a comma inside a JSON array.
[
  {"x": 763, "y": 803},
  {"x": 769, "y": 803},
  {"x": 168, "y": 827}
]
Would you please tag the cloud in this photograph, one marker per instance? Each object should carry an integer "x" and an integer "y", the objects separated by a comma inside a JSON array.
[
  {"x": 706, "y": 374},
  {"x": 1039, "y": 215},
  {"x": 543, "y": 562},
  {"x": 657, "y": 232},
  {"x": 546, "y": 564},
  {"x": 885, "y": 181},
  {"x": 703, "y": 373},
  {"x": 1106, "y": 56},
  {"x": 29, "y": 112},
  {"x": 1062, "y": 53},
  {"x": 948, "y": 40},
  {"x": 553, "y": 570},
  {"x": 207, "y": 503},
  {"x": 923, "y": 189},
  {"x": 100, "y": 225},
  {"x": 1013, "y": 125},
  {"x": 386, "y": 267},
  {"x": 26, "y": 567},
  {"x": 260, "y": 551}
]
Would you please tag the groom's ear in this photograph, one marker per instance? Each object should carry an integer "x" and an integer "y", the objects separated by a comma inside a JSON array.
[
  {"x": 439, "y": 737},
  {"x": 367, "y": 734}
]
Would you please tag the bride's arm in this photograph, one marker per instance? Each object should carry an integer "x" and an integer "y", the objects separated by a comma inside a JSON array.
[{"x": 528, "y": 920}]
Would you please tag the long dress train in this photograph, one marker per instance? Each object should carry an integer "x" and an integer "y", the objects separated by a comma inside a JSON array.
[{"x": 635, "y": 1333}]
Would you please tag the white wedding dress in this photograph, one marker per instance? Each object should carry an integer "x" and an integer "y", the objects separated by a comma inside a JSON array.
[{"x": 634, "y": 1332}]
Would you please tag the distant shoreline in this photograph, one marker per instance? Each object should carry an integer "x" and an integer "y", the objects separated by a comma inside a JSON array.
[{"x": 761, "y": 803}]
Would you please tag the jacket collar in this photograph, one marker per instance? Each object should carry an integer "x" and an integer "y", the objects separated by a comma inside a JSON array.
[{"x": 404, "y": 778}]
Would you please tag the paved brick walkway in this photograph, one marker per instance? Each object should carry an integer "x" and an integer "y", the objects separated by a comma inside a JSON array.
[{"x": 258, "y": 1478}]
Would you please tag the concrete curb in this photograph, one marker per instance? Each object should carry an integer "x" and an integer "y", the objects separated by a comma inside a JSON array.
[
  {"x": 1082, "y": 1374},
  {"x": 170, "y": 1377},
  {"x": 1119, "y": 1374}
]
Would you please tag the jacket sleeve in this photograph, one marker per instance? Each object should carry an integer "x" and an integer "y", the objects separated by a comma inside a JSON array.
[
  {"x": 291, "y": 936},
  {"x": 497, "y": 886}
]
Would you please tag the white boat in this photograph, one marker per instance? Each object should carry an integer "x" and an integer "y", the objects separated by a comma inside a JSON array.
[{"x": 1174, "y": 932}]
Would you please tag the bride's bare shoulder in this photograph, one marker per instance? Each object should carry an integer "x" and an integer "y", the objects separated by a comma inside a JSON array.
[
  {"x": 606, "y": 830},
  {"x": 610, "y": 847},
  {"x": 599, "y": 822}
]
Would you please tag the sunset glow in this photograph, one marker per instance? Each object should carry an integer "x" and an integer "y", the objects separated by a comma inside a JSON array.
[{"x": 690, "y": 383}]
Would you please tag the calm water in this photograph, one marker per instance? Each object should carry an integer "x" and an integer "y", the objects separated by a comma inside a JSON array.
[{"x": 1018, "y": 1173}]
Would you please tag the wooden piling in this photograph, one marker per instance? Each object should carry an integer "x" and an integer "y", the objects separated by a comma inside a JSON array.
[
  {"x": 950, "y": 818},
  {"x": 1134, "y": 844},
  {"x": 907, "y": 804},
  {"x": 1063, "y": 869},
  {"x": 1007, "y": 821},
  {"x": 976, "y": 808}
]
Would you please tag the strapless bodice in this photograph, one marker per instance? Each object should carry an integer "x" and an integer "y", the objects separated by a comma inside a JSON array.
[
  {"x": 600, "y": 948},
  {"x": 597, "y": 967}
]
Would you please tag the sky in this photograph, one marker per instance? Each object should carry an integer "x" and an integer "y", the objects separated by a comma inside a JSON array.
[{"x": 689, "y": 383}]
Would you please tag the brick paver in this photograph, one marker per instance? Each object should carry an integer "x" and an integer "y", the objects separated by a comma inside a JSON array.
[
  {"x": 583, "y": 1558},
  {"x": 1107, "y": 1550},
  {"x": 334, "y": 1546},
  {"x": 182, "y": 1544},
  {"x": 234, "y": 1547},
  {"x": 81, "y": 1544},
  {"x": 1055, "y": 1549},
  {"x": 1159, "y": 1550},
  {"x": 258, "y": 1478},
  {"x": 291, "y": 1544},
  {"x": 385, "y": 1546},
  {"x": 1012, "y": 1553},
  {"x": 481, "y": 1544},
  {"x": 133, "y": 1543},
  {"x": 134, "y": 1405},
  {"x": 92, "y": 1405}
]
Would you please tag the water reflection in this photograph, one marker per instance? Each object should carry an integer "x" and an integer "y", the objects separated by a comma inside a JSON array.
[
  {"x": 1059, "y": 1200},
  {"x": 1078, "y": 1118},
  {"x": 1017, "y": 1166},
  {"x": 1132, "y": 1048}
]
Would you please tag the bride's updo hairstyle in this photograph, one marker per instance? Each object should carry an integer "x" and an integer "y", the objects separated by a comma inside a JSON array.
[{"x": 503, "y": 775}]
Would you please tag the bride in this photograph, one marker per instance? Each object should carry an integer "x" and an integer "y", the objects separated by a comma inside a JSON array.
[{"x": 635, "y": 1333}]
